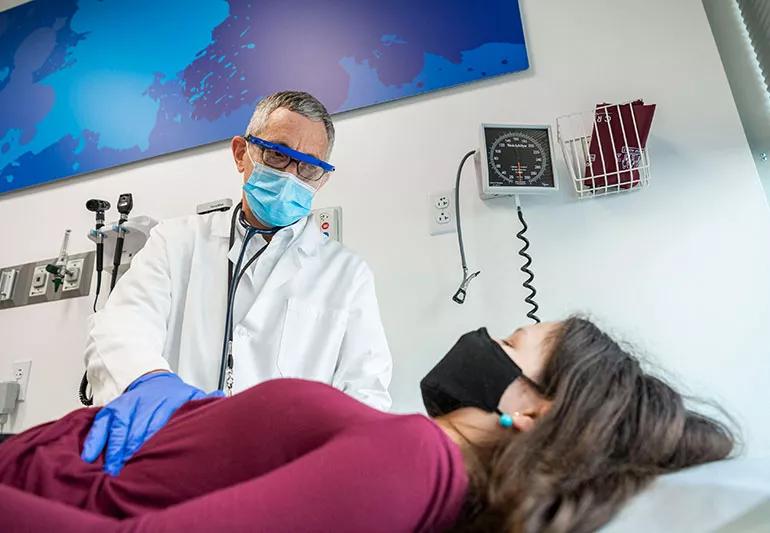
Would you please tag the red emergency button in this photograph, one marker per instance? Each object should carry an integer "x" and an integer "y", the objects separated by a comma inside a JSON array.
[{"x": 325, "y": 225}]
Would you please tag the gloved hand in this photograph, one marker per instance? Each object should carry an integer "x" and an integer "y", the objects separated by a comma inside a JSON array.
[{"x": 129, "y": 420}]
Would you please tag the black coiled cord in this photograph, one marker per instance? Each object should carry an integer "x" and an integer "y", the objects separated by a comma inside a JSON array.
[
  {"x": 525, "y": 268},
  {"x": 83, "y": 392}
]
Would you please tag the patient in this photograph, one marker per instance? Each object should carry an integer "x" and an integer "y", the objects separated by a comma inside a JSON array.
[{"x": 548, "y": 430}]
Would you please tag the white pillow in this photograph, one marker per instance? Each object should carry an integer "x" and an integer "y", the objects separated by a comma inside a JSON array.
[{"x": 732, "y": 494}]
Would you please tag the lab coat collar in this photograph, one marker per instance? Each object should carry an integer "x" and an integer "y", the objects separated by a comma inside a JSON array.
[
  {"x": 220, "y": 223},
  {"x": 303, "y": 246},
  {"x": 308, "y": 236}
]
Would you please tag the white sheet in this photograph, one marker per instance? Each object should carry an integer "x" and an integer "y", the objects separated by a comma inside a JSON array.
[{"x": 729, "y": 496}]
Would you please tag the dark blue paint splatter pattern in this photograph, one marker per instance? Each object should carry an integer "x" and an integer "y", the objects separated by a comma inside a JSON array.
[{"x": 91, "y": 84}]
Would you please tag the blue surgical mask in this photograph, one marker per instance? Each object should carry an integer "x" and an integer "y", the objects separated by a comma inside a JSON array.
[{"x": 277, "y": 198}]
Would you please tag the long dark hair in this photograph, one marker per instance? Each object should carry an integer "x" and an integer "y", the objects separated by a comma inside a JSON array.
[{"x": 610, "y": 430}]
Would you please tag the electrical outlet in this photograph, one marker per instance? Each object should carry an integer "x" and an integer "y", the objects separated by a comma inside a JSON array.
[
  {"x": 442, "y": 202},
  {"x": 21, "y": 371},
  {"x": 442, "y": 213}
]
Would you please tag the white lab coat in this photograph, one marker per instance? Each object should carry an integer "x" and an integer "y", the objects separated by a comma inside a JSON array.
[{"x": 315, "y": 315}]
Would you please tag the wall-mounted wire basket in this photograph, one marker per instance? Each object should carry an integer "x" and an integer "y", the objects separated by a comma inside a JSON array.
[{"x": 606, "y": 150}]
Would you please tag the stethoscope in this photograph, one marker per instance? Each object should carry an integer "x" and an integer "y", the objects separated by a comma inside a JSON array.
[{"x": 226, "y": 366}]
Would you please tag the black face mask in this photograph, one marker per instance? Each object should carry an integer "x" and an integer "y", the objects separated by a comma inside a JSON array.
[{"x": 474, "y": 373}]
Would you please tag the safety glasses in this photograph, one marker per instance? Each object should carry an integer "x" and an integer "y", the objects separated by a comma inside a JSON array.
[{"x": 279, "y": 157}]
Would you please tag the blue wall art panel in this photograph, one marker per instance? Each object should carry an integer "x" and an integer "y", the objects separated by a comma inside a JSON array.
[{"x": 91, "y": 84}]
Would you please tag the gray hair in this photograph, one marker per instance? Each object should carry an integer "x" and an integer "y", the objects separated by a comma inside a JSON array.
[{"x": 299, "y": 102}]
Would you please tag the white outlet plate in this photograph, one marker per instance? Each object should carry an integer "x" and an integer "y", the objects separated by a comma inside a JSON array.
[
  {"x": 39, "y": 283},
  {"x": 76, "y": 267},
  {"x": 20, "y": 374},
  {"x": 441, "y": 212}
]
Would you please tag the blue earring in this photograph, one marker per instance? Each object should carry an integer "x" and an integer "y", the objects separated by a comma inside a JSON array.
[{"x": 505, "y": 419}]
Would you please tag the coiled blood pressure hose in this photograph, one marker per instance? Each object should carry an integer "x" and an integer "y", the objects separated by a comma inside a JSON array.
[{"x": 530, "y": 299}]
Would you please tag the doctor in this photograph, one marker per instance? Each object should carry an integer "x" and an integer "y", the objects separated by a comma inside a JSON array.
[{"x": 306, "y": 307}]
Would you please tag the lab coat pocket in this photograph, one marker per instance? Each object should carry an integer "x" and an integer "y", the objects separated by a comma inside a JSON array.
[{"x": 310, "y": 341}]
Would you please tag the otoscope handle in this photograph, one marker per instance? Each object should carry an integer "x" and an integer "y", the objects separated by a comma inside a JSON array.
[
  {"x": 118, "y": 252},
  {"x": 116, "y": 260},
  {"x": 99, "y": 256}
]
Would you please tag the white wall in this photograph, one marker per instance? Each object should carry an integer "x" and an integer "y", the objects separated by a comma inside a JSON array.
[
  {"x": 8, "y": 4},
  {"x": 680, "y": 269}
]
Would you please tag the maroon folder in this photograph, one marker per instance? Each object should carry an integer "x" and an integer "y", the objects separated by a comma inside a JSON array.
[{"x": 611, "y": 152}]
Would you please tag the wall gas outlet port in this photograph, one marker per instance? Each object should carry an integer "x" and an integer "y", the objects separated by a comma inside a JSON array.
[
  {"x": 39, "y": 283},
  {"x": 7, "y": 283},
  {"x": 34, "y": 284},
  {"x": 74, "y": 275},
  {"x": 329, "y": 221}
]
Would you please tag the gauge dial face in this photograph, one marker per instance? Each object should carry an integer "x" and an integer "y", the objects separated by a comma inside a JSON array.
[{"x": 519, "y": 157}]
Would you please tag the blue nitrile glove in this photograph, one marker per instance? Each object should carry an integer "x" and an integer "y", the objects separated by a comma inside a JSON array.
[{"x": 129, "y": 420}]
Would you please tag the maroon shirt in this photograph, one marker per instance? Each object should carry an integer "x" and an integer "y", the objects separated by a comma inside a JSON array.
[{"x": 286, "y": 455}]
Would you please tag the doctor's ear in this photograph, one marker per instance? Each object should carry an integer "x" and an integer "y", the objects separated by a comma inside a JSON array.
[
  {"x": 322, "y": 181},
  {"x": 238, "y": 147}
]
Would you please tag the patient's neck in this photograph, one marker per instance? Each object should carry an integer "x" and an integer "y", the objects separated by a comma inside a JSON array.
[{"x": 469, "y": 426}]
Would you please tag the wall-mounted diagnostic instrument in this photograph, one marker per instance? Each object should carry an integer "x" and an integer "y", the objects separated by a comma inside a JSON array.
[
  {"x": 511, "y": 160},
  {"x": 121, "y": 239},
  {"x": 515, "y": 160},
  {"x": 99, "y": 207}
]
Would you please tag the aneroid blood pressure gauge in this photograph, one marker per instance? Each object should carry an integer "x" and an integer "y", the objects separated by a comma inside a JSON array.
[{"x": 515, "y": 160}]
